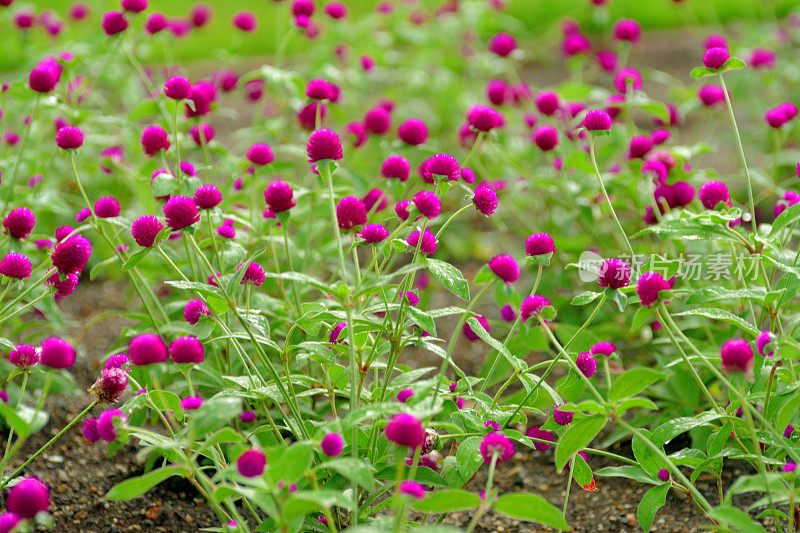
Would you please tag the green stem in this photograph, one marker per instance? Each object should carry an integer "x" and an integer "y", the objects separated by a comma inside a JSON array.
[
  {"x": 13, "y": 181},
  {"x": 608, "y": 200}
]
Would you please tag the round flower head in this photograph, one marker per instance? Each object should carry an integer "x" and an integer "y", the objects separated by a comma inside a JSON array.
[
  {"x": 377, "y": 121},
  {"x": 319, "y": 89},
  {"x": 532, "y": 306},
  {"x": 134, "y": 6},
  {"x": 180, "y": 212},
  {"x": 496, "y": 445},
  {"x": 357, "y": 133},
  {"x": 787, "y": 432},
  {"x": 428, "y": 244},
  {"x": 715, "y": 40},
  {"x": 245, "y": 21},
  {"x": 117, "y": 361},
  {"x": 279, "y": 196},
  {"x": 508, "y": 313},
  {"x": 69, "y": 138},
  {"x": 483, "y": 118},
  {"x": 251, "y": 463},
  {"x": 260, "y": 154},
  {"x": 57, "y": 353},
  {"x": 663, "y": 474},
  {"x": 372, "y": 233},
  {"x": 336, "y": 10},
  {"x": 428, "y": 204},
  {"x": 536, "y": 432},
  {"x": 586, "y": 364},
  {"x": 177, "y": 88},
  {"x": 765, "y": 338},
  {"x": 83, "y": 214},
  {"x": 303, "y": 8},
  {"x": 497, "y": 91},
  {"x": 441, "y": 165},
  {"x": 485, "y": 200},
  {"x": 405, "y": 430},
  {"x": 502, "y": 44},
  {"x": 402, "y": 209},
  {"x": 336, "y": 336},
  {"x": 254, "y": 275},
  {"x": 627, "y": 78},
  {"x": 324, "y": 144},
  {"x": 63, "y": 287},
  {"x": 627, "y": 30},
  {"x": 145, "y": 229},
  {"x": 202, "y": 134},
  {"x": 562, "y": 418},
  {"x": 155, "y": 23},
  {"x": 105, "y": 424},
  {"x": 539, "y": 244},
  {"x": 412, "y": 488},
  {"x": 413, "y": 132},
  {"x": 396, "y": 167},
  {"x": 737, "y": 356},
  {"x": 227, "y": 232},
  {"x": 468, "y": 331},
  {"x": 28, "y": 498},
  {"x": 505, "y": 267},
  {"x": 597, "y": 120},
  {"x": 603, "y": 348},
  {"x": 714, "y": 192},
  {"x": 19, "y": 222},
  {"x": 684, "y": 193},
  {"x": 307, "y": 116},
  {"x": 775, "y": 117},
  {"x": 547, "y": 102},
  {"x": 332, "y": 444},
  {"x": 790, "y": 467},
  {"x": 89, "y": 430},
  {"x": 23, "y": 356},
  {"x": 614, "y": 273},
  {"x": 194, "y": 310},
  {"x": 147, "y": 349},
  {"x": 154, "y": 139},
  {"x": 207, "y": 197},
  {"x": 639, "y": 147},
  {"x": 15, "y": 266},
  {"x": 71, "y": 255},
  {"x": 715, "y": 58},
  {"x": 186, "y": 350},
  {"x": 191, "y": 403},
  {"x": 711, "y": 95},
  {"x": 247, "y": 416},
  {"x": 762, "y": 58},
  {"x": 375, "y": 199},
  {"x": 202, "y": 94},
  {"x": 114, "y": 22},
  {"x": 44, "y": 76},
  {"x": 107, "y": 207},
  {"x": 351, "y": 212},
  {"x": 404, "y": 395},
  {"x": 545, "y": 137},
  {"x": 649, "y": 286},
  {"x": 110, "y": 385}
]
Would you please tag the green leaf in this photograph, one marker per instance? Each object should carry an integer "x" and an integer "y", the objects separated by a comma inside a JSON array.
[
  {"x": 733, "y": 63},
  {"x": 635, "y": 473},
  {"x": 633, "y": 382},
  {"x": 469, "y": 457},
  {"x": 585, "y": 298},
  {"x": 702, "y": 72},
  {"x": 653, "y": 500},
  {"x": 450, "y": 277},
  {"x": 642, "y": 316},
  {"x": 728, "y": 515},
  {"x": 131, "y": 488},
  {"x": 422, "y": 319},
  {"x": 532, "y": 508},
  {"x": 790, "y": 215},
  {"x": 484, "y": 275},
  {"x": 353, "y": 469},
  {"x": 12, "y": 419},
  {"x": 134, "y": 259},
  {"x": 164, "y": 185},
  {"x": 581, "y": 471},
  {"x": 448, "y": 500},
  {"x": 289, "y": 464},
  {"x": 213, "y": 414},
  {"x": 518, "y": 364},
  {"x": 788, "y": 410},
  {"x": 577, "y": 437},
  {"x": 710, "y": 294},
  {"x": 725, "y": 316}
]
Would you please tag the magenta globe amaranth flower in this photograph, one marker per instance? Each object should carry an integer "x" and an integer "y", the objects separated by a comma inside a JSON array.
[
  {"x": 663, "y": 475},
  {"x": 147, "y": 349},
  {"x": 155, "y": 23},
  {"x": 105, "y": 424},
  {"x": 57, "y": 353},
  {"x": 191, "y": 403},
  {"x": 413, "y": 132},
  {"x": 350, "y": 212},
  {"x": 586, "y": 364},
  {"x": 194, "y": 310},
  {"x": 202, "y": 134},
  {"x": 28, "y": 498},
  {"x": 260, "y": 154},
  {"x": 714, "y": 58},
  {"x": 485, "y": 200},
  {"x": 44, "y": 77},
  {"x": 251, "y": 463},
  {"x": 536, "y": 432},
  {"x": 177, "y": 88},
  {"x": 627, "y": 30},
  {"x": 110, "y": 385},
  {"x": 145, "y": 229},
  {"x": 764, "y": 339},
  {"x": 207, "y": 197},
  {"x": 324, "y": 144},
  {"x": 412, "y": 488},
  {"x": 427, "y": 245},
  {"x": 71, "y": 255},
  {"x": 154, "y": 139},
  {"x": 69, "y": 138},
  {"x": 377, "y": 121},
  {"x": 614, "y": 273},
  {"x": 545, "y": 137},
  {"x": 374, "y": 233},
  {"x": 428, "y": 204},
  {"x": 187, "y": 349},
  {"x": 561, "y": 417},
  {"x": 539, "y": 244},
  {"x": 650, "y": 286},
  {"x": 253, "y": 274},
  {"x": 737, "y": 356},
  {"x": 547, "y": 102},
  {"x": 404, "y": 395},
  {"x": 89, "y": 430},
  {"x": 597, "y": 120},
  {"x": 23, "y": 356},
  {"x": 405, "y": 430},
  {"x": 532, "y": 306},
  {"x": 279, "y": 196},
  {"x": 375, "y": 200},
  {"x": 508, "y": 313},
  {"x": 498, "y": 446},
  {"x": 19, "y": 223},
  {"x": 16, "y": 266},
  {"x": 503, "y": 44},
  {"x": 107, "y": 207},
  {"x": 483, "y": 118},
  {"x": 181, "y": 212},
  {"x": 396, "y": 167},
  {"x": 134, "y": 6},
  {"x": 245, "y": 21},
  {"x": 114, "y": 22},
  {"x": 468, "y": 332},
  {"x": 441, "y": 166},
  {"x": 714, "y": 192},
  {"x": 332, "y": 444},
  {"x": 505, "y": 267},
  {"x": 603, "y": 348}
]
